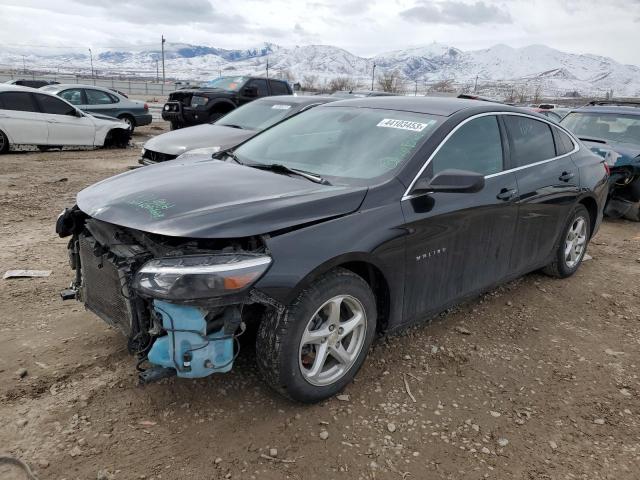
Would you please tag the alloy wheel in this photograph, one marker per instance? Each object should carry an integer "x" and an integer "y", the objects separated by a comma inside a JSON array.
[
  {"x": 332, "y": 340},
  {"x": 575, "y": 242}
]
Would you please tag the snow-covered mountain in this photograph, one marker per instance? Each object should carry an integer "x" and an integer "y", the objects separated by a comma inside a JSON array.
[{"x": 555, "y": 71}]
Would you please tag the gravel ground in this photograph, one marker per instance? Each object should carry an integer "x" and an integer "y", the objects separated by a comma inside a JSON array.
[{"x": 535, "y": 380}]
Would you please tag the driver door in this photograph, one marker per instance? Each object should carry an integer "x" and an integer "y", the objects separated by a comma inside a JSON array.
[{"x": 460, "y": 243}]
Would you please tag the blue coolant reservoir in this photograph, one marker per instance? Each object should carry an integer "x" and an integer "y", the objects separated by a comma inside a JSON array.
[{"x": 187, "y": 347}]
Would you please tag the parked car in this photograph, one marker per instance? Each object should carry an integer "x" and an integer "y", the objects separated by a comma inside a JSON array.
[
  {"x": 105, "y": 101},
  {"x": 229, "y": 131},
  {"x": 34, "y": 117},
  {"x": 194, "y": 106},
  {"x": 355, "y": 217},
  {"x": 612, "y": 130},
  {"x": 31, "y": 83}
]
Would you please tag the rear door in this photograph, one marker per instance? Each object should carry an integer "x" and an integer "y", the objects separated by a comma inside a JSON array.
[
  {"x": 262, "y": 89},
  {"x": 64, "y": 126},
  {"x": 548, "y": 182},
  {"x": 21, "y": 120},
  {"x": 460, "y": 243},
  {"x": 279, "y": 87}
]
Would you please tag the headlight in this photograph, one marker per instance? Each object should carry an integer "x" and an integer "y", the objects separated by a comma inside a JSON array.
[
  {"x": 198, "y": 152},
  {"x": 142, "y": 152},
  {"x": 199, "y": 276},
  {"x": 167, "y": 107}
]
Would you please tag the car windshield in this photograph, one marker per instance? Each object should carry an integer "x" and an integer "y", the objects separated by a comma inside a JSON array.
[
  {"x": 226, "y": 83},
  {"x": 341, "y": 142},
  {"x": 257, "y": 115},
  {"x": 611, "y": 127}
]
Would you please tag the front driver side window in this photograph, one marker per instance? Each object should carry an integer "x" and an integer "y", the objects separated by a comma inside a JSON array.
[
  {"x": 96, "y": 97},
  {"x": 476, "y": 147},
  {"x": 261, "y": 85},
  {"x": 73, "y": 96}
]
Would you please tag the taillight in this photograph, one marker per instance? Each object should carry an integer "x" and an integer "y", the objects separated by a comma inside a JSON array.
[
  {"x": 146, "y": 107},
  {"x": 607, "y": 168}
]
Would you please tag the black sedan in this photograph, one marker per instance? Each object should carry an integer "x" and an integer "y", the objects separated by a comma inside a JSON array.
[{"x": 356, "y": 217}]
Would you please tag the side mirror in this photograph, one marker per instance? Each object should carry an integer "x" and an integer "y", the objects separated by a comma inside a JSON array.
[
  {"x": 451, "y": 181},
  {"x": 76, "y": 113},
  {"x": 250, "y": 91}
]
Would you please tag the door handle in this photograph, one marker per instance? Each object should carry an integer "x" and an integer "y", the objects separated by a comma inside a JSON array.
[
  {"x": 566, "y": 176},
  {"x": 52, "y": 121},
  {"x": 507, "y": 194}
]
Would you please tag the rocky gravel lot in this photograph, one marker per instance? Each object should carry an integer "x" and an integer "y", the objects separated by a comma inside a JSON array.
[{"x": 535, "y": 380}]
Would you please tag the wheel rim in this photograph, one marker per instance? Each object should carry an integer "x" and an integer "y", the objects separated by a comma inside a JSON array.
[
  {"x": 332, "y": 340},
  {"x": 1, "y": 141},
  {"x": 575, "y": 243}
]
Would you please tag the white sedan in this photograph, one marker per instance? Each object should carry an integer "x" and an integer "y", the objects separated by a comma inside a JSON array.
[{"x": 33, "y": 117}]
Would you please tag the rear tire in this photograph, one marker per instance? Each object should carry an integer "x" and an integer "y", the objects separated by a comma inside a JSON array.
[
  {"x": 175, "y": 126},
  {"x": 633, "y": 213},
  {"x": 4, "y": 143},
  {"x": 318, "y": 344},
  {"x": 572, "y": 245}
]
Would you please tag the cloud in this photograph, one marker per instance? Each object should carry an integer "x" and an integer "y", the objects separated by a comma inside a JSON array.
[
  {"x": 454, "y": 12},
  {"x": 165, "y": 12}
]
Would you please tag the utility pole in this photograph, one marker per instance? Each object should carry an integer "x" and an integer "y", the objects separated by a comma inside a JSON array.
[
  {"x": 475, "y": 87},
  {"x": 91, "y": 57},
  {"x": 24, "y": 65},
  {"x": 373, "y": 74},
  {"x": 163, "y": 77},
  {"x": 267, "y": 67}
]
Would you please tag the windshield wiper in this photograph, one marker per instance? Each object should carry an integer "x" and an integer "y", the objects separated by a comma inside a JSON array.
[
  {"x": 279, "y": 168},
  {"x": 232, "y": 156},
  {"x": 231, "y": 126}
]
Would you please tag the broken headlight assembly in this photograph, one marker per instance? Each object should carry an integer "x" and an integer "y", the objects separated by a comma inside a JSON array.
[
  {"x": 195, "y": 277},
  {"x": 198, "y": 153}
]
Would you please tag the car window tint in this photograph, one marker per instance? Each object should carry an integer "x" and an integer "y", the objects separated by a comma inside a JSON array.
[
  {"x": 564, "y": 144},
  {"x": 20, "y": 101},
  {"x": 261, "y": 85},
  {"x": 54, "y": 106},
  {"x": 73, "y": 96},
  {"x": 476, "y": 147},
  {"x": 278, "y": 88},
  {"x": 531, "y": 140},
  {"x": 96, "y": 97}
]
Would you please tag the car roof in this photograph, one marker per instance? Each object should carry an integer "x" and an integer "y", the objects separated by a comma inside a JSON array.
[
  {"x": 442, "y": 106},
  {"x": 296, "y": 99},
  {"x": 63, "y": 86},
  {"x": 4, "y": 87}
]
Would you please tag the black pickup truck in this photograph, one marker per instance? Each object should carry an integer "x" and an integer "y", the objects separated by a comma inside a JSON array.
[{"x": 207, "y": 104}]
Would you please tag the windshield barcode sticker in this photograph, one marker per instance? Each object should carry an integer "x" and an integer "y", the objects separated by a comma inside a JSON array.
[
  {"x": 281, "y": 107},
  {"x": 403, "y": 124}
]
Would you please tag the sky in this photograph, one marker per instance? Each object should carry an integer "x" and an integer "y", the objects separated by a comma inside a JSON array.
[{"x": 364, "y": 27}]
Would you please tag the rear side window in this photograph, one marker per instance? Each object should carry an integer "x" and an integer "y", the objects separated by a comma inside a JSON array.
[
  {"x": 18, "y": 101},
  {"x": 531, "y": 140},
  {"x": 475, "y": 147},
  {"x": 278, "y": 88},
  {"x": 261, "y": 85},
  {"x": 564, "y": 144},
  {"x": 54, "y": 106},
  {"x": 96, "y": 97}
]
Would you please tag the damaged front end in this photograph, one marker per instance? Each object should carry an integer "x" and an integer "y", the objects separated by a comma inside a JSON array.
[{"x": 180, "y": 302}]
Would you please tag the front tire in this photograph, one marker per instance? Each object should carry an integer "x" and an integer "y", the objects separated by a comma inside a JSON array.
[
  {"x": 4, "y": 143},
  {"x": 129, "y": 120},
  {"x": 573, "y": 244},
  {"x": 318, "y": 344}
]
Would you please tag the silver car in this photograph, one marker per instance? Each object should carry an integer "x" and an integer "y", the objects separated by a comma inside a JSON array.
[{"x": 93, "y": 99}]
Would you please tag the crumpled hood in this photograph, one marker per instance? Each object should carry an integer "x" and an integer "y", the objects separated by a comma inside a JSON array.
[
  {"x": 615, "y": 155},
  {"x": 213, "y": 199},
  {"x": 100, "y": 118},
  {"x": 179, "y": 141}
]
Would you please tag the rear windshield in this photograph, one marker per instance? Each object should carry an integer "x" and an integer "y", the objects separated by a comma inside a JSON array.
[
  {"x": 342, "y": 142},
  {"x": 226, "y": 83},
  {"x": 611, "y": 127},
  {"x": 257, "y": 115}
]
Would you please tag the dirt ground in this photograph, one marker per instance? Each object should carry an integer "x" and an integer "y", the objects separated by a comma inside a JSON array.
[{"x": 535, "y": 380}]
